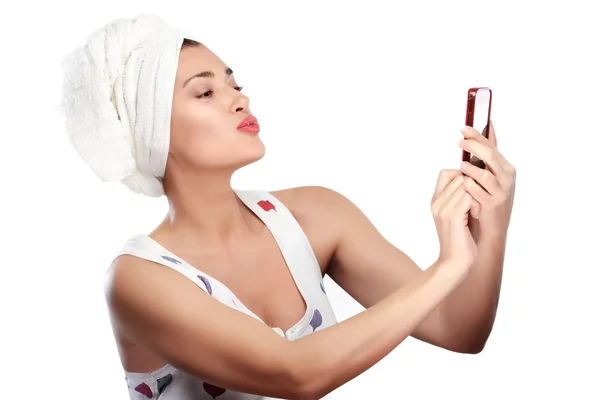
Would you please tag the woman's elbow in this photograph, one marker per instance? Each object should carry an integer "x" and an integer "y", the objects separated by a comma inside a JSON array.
[{"x": 307, "y": 381}]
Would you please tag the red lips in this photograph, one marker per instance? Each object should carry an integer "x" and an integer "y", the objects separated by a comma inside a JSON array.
[{"x": 250, "y": 120}]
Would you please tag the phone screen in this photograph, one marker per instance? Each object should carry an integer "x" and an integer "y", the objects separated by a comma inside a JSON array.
[{"x": 481, "y": 111}]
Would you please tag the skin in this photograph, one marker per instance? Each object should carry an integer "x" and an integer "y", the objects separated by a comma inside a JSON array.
[{"x": 153, "y": 308}]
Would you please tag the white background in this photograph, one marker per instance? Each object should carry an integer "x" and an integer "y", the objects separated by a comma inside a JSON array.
[{"x": 367, "y": 98}]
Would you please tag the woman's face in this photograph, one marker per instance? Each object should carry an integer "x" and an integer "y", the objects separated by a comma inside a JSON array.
[{"x": 205, "y": 114}]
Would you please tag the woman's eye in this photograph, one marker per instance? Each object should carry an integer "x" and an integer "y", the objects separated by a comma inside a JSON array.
[
  {"x": 210, "y": 92},
  {"x": 205, "y": 94}
]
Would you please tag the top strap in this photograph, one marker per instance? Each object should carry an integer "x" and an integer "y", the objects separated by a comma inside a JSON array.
[
  {"x": 286, "y": 230},
  {"x": 146, "y": 248}
]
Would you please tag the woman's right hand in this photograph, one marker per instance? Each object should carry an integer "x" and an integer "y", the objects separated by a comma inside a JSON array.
[{"x": 450, "y": 207}]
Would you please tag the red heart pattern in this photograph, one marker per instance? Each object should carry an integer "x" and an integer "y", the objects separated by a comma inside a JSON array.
[
  {"x": 266, "y": 205},
  {"x": 144, "y": 389}
]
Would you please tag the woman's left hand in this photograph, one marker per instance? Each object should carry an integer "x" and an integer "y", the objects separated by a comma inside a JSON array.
[{"x": 493, "y": 187}]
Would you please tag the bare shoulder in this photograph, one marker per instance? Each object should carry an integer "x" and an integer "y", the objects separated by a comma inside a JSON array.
[
  {"x": 130, "y": 288},
  {"x": 307, "y": 200},
  {"x": 121, "y": 271},
  {"x": 129, "y": 276},
  {"x": 320, "y": 211},
  {"x": 316, "y": 205}
]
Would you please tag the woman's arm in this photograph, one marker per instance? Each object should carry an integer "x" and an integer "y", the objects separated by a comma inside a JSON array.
[
  {"x": 336, "y": 355},
  {"x": 369, "y": 268},
  {"x": 164, "y": 311}
]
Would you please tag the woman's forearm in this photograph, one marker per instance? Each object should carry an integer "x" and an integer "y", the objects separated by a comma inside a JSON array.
[
  {"x": 329, "y": 358},
  {"x": 469, "y": 311}
]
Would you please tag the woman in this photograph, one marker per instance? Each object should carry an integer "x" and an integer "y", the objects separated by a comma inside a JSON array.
[{"x": 224, "y": 298}]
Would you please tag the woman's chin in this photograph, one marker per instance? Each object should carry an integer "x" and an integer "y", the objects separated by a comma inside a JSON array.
[{"x": 251, "y": 155}]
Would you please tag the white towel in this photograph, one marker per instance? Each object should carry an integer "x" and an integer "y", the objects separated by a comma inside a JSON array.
[{"x": 117, "y": 97}]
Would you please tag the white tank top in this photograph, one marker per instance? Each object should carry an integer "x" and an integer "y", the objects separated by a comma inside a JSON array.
[{"x": 168, "y": 383}]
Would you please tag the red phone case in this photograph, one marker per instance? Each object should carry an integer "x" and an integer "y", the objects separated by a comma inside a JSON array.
[{"x": 470, "y": 114}]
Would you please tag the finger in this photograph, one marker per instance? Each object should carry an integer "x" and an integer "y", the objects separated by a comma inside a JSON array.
[
  {"x": 445, "y": 177},
  {"x": 471, "y": 133},
  {"x": 493, "y": 142},
  {"x": 475, "y": 207},
  {"x": 455, "y": 184},
  {"x": 507, "y": 168},
  {"x": 461, "y": 206},
  {"x": 476, "y": 191},
  {"x": 506, "y": 165},
  {"x": 492, "y": 135},
  {"x": 500, "y": 168},
  {"x": 484, "y": 153},
  {"x": 455, "y": 197},
  {"x": 465, "y": 203},
  {"x": 483, "y": 178},
  {"x": 439, "y": 202}
]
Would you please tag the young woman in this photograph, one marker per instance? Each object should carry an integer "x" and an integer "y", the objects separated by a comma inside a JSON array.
[{"x": 225, "y": 298}]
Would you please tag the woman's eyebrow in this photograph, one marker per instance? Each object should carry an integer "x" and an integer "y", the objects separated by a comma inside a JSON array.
[{"x": 208, "y": 74}]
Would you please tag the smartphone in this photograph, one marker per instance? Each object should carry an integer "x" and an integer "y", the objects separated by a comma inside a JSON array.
[{"x": 479, "y": 109}]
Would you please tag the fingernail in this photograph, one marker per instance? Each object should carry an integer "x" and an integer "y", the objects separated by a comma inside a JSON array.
[{"x": 464, "y": 165}]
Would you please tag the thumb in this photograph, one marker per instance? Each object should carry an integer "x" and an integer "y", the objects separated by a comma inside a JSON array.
[{"x": 475, "y": 208}]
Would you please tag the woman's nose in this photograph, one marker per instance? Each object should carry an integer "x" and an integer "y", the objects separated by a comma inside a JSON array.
[{"x": 240, "y": 103}]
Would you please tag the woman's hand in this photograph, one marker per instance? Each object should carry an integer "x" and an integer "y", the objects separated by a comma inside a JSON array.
[
  {"x": 450, "y": 206},
  {"x": 492, "y": 187}
]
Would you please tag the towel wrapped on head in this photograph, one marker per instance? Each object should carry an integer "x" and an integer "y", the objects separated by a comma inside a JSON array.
[{"x": 117, "y": 97}]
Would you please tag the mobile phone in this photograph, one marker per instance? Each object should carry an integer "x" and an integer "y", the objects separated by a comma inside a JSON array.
[{"x": 479, "y": 109}]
